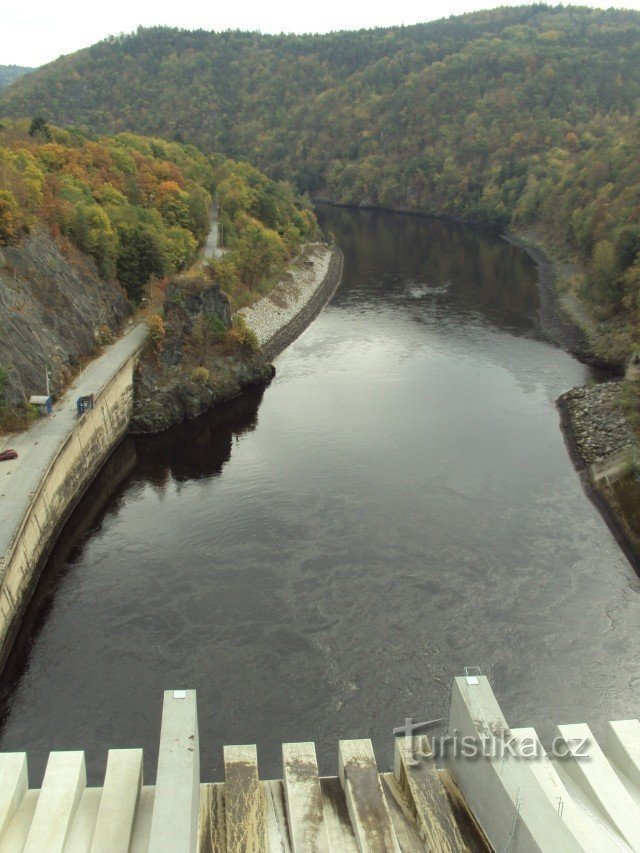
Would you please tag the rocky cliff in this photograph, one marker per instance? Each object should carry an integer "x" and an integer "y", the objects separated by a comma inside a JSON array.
[
  {"x": 55, "y": 311},
  {"x": 196, "y": 356}
]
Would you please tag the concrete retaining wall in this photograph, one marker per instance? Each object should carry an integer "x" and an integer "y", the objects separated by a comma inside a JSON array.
[{"x": 67, "y": 477}]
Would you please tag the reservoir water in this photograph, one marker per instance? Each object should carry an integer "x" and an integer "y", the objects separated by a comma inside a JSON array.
[{"x": 320, "y": 557}]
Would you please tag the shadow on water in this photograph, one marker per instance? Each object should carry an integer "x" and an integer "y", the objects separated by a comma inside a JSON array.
[{"x": 196, "y": 450}]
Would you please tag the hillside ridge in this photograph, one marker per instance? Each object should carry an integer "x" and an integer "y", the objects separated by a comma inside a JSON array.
[{"x": 521, "y": 117}]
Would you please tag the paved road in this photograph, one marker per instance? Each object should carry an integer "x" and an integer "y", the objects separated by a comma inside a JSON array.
[
  {"x": 211, "y": 247},
  {"x": 37, "y": 446}
]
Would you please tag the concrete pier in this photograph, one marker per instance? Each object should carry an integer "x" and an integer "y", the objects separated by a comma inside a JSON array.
[
  {"x": 361, "y": 809},
  {"x": 511, "y": 796}
]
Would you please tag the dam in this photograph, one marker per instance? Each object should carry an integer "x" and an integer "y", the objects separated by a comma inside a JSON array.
[{"x": 504, "y": 797}]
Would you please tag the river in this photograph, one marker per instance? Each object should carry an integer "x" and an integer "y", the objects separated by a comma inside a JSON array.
[{"x": 319, "y": 558}]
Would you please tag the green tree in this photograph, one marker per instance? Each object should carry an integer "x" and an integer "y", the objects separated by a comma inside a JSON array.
[
  {"x": 40, "y": 127},
  {"x": 141, "y": 256}
]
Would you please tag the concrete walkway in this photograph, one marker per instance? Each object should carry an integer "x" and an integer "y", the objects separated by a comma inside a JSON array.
[{"x": 37, "y": 447}]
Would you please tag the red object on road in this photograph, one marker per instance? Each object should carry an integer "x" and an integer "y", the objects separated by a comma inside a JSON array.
[{"x": 5, "y": 455}]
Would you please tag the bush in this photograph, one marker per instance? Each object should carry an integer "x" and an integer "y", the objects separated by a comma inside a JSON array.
[
  {"x": 241, "y": 335},
  {"x": 104, "y": 335},
  {"x": 200, "y": 375},
  {"x": 157, "y": 331},
  {"x": 216, "y": 327},
  {"x": 10, "y": 220}
]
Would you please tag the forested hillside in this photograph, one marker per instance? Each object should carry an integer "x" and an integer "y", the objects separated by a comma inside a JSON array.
[
  {"x": 525, "y": 116},
  {"x": 9, "y": 73},
  {"x": 81, "y": 216},
  {"x": 140, "y": 206}
]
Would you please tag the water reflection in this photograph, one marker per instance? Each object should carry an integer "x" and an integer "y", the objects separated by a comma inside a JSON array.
[
  {"x": 475, "y": 272},
  {"x": 198, "y": 449}
]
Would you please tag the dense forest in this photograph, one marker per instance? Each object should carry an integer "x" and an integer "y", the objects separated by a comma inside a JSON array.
[
  {"x": 140, "y": 206},
  {"x": 518, "y": 116},
  {"x": 9, "y": 73}
]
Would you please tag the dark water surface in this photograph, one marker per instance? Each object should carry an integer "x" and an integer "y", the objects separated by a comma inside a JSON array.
[{"x": 319, "y": 559}]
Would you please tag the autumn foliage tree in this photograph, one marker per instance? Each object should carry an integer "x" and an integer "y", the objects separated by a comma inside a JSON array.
[{"x": 139, "y": 207}]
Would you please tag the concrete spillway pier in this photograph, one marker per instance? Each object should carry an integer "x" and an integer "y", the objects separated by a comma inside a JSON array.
[
  {"x": 584, "y": 797},
  {"x": 359, "y": 809}
]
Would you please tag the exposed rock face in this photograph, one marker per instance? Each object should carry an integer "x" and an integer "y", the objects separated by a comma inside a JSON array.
[
  {"x": 54, "y": 310},
  {"x": 598, "y": 422},
  {"x": 183, "y": 307},
  {"x": 183, "y": 376}
]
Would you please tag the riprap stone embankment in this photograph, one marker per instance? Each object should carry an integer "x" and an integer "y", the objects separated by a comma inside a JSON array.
[
  {"x": 599, "y": 426},
  {"x": 280, "y": 317}
]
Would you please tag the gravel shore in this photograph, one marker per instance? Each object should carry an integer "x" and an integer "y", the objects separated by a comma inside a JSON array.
[
  {"x": 280, "y": 317},
  {"x": 597, "y": 421}
]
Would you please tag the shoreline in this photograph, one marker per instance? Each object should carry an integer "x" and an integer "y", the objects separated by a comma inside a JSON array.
[
  {"x": 556, "y": 324},
  {"x": 562, "y": 327},
  {"x": 565, "y": 331},
  {"x": 277, "y": 319},
  {"x": 58, "y": 460},
  {"x": 597, "y": 495},
  {"x": 280, "y": 317},
  {"x": 571, "y": 331}
]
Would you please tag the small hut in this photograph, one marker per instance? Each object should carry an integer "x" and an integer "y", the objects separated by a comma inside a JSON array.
[
  {"x": 84, "y": 404},
  {"x": 43, "y": 403}
]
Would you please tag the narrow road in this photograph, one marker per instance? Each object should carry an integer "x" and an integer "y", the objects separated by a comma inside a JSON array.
[
  {"x": 36, "y": 447},
  {"x": 212, "y": 247}
]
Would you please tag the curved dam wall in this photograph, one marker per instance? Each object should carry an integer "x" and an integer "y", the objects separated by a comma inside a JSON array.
[{"x": 69, "y": 473}]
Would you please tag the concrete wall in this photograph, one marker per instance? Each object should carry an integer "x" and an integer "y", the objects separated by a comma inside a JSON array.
[
  {"x": 69, "y": 474},
  {"x": 501, "y": 790}
]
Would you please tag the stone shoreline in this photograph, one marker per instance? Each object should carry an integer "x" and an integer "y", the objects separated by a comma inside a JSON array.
[
  {"x": 591, "y": 418},
  {"x": 598, "y": 422},
  {"x": 601, "y": 496},
  {"x": 279, "y": 318},
  {"x": 557, "y": 324}
]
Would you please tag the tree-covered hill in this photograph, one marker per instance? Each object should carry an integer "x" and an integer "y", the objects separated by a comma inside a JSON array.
[
  {"x": 524, "y": 116},
  {"x": 81, "y": 216},
  {"x": 140, "y": 207},
  {"x": 9, "y": 73}
]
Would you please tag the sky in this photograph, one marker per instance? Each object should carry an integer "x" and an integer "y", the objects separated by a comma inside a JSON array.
[{"x": 41, "y": 30}]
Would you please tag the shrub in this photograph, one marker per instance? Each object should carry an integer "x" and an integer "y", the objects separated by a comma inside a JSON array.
[
  {"x": 104, "y": 335},
  {"x": 216, "y": 327},
  {"x": 200, "y": 375},
  {"x": 157, "y": 331},
  {"x": 240, "y": 334},
  {"x": 10, "y": 220}
]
